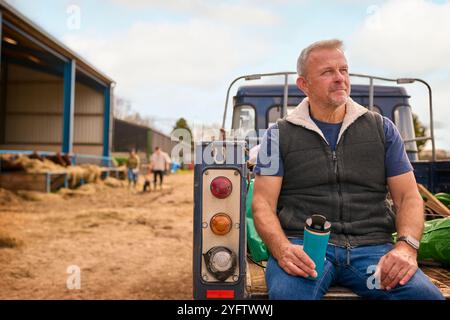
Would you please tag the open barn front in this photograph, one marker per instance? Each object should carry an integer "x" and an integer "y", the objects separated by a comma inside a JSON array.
[
  {"x": 32, "y": 109},
  {"x": 51, "y": 99},
  {"x": 55, "y": 112}
]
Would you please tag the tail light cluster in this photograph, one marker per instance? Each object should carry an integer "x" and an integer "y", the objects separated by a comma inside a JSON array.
[{"x": 220, "y": 225}]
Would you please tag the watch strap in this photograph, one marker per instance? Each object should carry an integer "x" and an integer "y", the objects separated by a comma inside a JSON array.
[{"x": 406, "y": 239}]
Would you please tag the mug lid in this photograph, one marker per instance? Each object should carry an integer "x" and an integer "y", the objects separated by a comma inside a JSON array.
[{"x": 318, "y": 223}]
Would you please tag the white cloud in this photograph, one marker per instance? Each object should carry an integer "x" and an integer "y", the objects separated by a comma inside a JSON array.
[
  {"x": 409, "y": 39},
  {"x": 195, "y": 53},
  {"x": 174, "y": 69},
  {"x": 223, "y": 11},
  {"x": 405, "y": 37}
]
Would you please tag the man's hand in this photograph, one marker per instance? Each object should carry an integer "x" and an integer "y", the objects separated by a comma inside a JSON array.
[
  {"x": 291, "y": 258},
  {"x": 295, "y": 261},
  {"x": 397, "y": 266}
]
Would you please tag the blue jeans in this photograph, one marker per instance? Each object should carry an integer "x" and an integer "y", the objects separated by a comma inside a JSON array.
[
  {"x": 132, "y": 176},
  {"x": 353, "y": 269}
]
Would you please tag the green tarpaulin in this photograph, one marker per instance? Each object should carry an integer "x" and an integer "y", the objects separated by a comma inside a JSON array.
[{"x": 258, "y": 249}]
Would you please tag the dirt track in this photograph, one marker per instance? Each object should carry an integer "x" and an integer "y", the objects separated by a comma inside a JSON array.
[{"x": 128, "y": 245}]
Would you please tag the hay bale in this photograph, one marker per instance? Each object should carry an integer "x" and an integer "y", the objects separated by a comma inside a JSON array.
[
  {"x": 38, "y": 196},
  {"x": 8, "y": 198},
  {"x": 9, "y": 162},
  {"x": 27, "y": 163},
  {"x": 75, "y": 174},
  {"x": 89, "y": 173},
  {"x": 87, "y": 189},
  {"x": 38, "y": 166},
  {"x": 65, "y": 192},
  {"x": 84, "y": 190},
  {"x": 51, "y": 166},
  {"x": 113, "y": 182},
  {"x": 35, "y": 165},
  {"x": 92, "y": 173}
]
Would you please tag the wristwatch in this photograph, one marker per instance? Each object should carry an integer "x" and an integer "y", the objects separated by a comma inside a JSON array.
[{"x": 413, "y": 242}]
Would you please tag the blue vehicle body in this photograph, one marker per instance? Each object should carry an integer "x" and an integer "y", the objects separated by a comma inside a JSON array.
[
  {"x": 435, "y": 176},
  {"x": 264, "y": 97}
]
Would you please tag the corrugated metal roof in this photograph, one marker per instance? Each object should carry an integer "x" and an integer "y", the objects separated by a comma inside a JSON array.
[{"x": 13, "y": 16}]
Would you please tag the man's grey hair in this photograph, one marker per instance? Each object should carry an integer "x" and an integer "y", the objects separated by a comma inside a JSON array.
[{"x": 322, "y": 44}]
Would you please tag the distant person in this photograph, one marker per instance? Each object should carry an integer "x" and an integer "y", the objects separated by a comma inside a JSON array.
[
  {"x": 160, "y": 163},
  {"x": 133, "y": 163},
  {"x": 147, "y": 177}
]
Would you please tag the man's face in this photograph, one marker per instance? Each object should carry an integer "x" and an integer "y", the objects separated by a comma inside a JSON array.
[{"x": 327, "y": 81}]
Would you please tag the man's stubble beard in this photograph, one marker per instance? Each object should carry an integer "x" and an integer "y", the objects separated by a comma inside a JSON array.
[{"x": 334, "y": 104}]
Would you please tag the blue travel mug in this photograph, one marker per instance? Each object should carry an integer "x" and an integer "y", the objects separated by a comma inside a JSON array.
[{"x": 315, "y": 242}]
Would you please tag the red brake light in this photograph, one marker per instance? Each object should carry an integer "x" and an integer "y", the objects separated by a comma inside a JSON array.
[
  {"x": 219, "y": 294},
  {"x": 221, "y": 187}
]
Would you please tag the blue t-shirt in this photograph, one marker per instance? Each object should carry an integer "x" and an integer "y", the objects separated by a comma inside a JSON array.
[
  {"x": 330, "y": 131},
  {"x": 269, "y": 162}
]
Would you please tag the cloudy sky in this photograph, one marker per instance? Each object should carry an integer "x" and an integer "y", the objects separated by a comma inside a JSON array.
[{"x": 174, "y": 58}]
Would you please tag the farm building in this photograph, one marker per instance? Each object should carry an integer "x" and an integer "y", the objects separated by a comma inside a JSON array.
[
  {"x": 127, "y": 136},
  {"x": 50, "y": 98}
]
